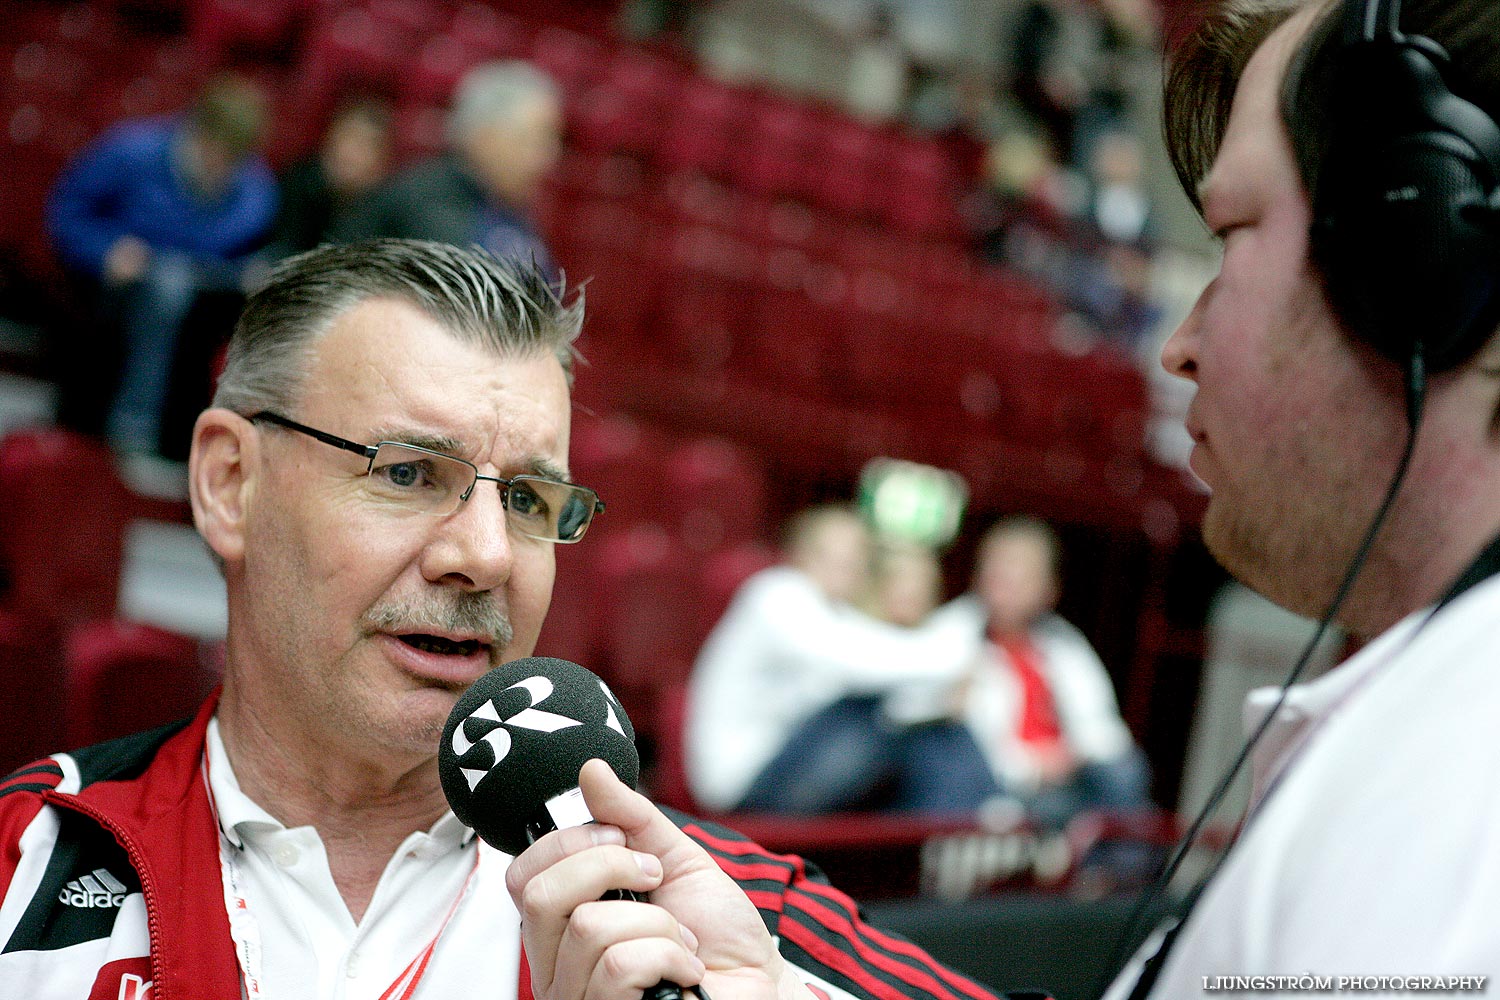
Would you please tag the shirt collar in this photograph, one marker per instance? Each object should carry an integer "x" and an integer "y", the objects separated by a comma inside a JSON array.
[
  {"x": 1308, "y": 703},
  {"x": 240, "y": 817}
]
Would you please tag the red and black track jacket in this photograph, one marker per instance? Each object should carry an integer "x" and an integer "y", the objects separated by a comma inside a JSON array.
[{"x": 110, "y": 888}]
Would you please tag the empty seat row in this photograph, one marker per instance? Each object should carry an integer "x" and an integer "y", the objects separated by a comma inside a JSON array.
[{"x": 97, "y": 680}]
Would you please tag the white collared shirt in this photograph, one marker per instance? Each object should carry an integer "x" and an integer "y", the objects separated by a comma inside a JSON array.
[
  {"x": 311, "y": 945},
  {"x": 1374, "y": 844}
]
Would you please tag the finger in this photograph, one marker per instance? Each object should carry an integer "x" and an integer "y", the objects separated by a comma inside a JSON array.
[
  {"x": 693, "y": 888},
  {"x": 646, "y": 828},
  {"x": 555, "y": 846},
  {"x": 628, "y": 968},
  {"x": 599, "y": 928},
  {"x": 548, "y": 900}
]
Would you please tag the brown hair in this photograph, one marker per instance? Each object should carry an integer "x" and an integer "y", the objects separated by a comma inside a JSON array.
[
  {"x": 1205, "y": 70},
  {"x": 504, "y": 304},
  {"x": 1026, "y": 526},
  {"x": 1201, "y": 80}
]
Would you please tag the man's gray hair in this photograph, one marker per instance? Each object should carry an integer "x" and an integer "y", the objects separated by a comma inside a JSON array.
[
  {"x": 505, "y": 305},
  {"x": 493, "y": 92}
]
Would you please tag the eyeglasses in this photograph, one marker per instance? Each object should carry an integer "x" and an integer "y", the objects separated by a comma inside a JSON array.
[{"x": 431, "y": 482}]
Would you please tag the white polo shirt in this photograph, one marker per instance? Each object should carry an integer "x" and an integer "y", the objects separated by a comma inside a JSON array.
[
  {"x": 311, "y": 946},
  {"x": 1376, "y": 849}
]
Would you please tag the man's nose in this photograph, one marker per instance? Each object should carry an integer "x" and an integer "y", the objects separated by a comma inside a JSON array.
[
  {"x": 1179, "y": 355},
  {"x": 473, "y": 547}
]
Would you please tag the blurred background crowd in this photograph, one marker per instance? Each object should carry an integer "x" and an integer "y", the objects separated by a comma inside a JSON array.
[{"x": 874, "y": 291}]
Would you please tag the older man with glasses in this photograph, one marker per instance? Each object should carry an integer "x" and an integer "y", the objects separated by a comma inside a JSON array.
[{"x": 293, "y": 840}]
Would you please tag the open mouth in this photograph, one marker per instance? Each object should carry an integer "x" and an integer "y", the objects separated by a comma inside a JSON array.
[{"x": 443, "y": 647}]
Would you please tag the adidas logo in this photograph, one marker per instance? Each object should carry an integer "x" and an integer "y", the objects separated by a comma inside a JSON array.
[{"x": 100, "y": 890}]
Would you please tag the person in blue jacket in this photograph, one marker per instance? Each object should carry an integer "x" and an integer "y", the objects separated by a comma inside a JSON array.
[{"x": 154, "y": 212}]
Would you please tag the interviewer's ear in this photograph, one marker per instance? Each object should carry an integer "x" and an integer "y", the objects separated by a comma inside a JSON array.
[{"x": 221, "y": 479}]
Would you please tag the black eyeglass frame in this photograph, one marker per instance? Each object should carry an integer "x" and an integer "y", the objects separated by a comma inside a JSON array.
[{"x": 369, "y": 451}]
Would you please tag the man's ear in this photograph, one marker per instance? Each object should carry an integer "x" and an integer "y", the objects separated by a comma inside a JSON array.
[{"x": 221, "y": 479}]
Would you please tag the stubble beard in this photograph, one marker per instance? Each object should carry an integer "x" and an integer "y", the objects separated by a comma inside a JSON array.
[{"x": 1294, "y": 556}]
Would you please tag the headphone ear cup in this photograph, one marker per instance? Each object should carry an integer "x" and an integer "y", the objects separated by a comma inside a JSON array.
[{"x": 1404, "y": 259}]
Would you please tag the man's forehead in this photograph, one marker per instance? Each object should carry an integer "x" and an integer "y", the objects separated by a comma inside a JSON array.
[
  {"x": 392, "y": 332},
  {"x": 1256, "y": 107},
  {"x": 406, "y": 376}
]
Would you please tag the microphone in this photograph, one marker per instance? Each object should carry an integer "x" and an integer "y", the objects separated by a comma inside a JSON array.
[
  {"x": 514, "y": 743},
  {"x": 512, "y": 748}
]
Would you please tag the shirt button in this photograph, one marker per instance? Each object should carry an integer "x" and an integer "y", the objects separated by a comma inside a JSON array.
[
  {"x": 351, "y": 965},
  {"x": 286, "y": 855}
]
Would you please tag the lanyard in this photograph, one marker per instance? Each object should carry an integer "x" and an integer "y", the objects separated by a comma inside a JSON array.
[{"x": 244, "y": 928}]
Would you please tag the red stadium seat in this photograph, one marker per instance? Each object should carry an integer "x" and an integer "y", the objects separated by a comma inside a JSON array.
[
  {"x": 780, "y": 152},
  {"x": 845, "y": 178},
  {"x": 668, "y": 779},
  {"x": 573, "y": 629},
  {"x": 430, "y": 79},
  {"x": 574, "y": 60},
  {"x": 122, "y": 677},
  {"x": 652, "y": 617},
  {"x": 627, "y": 109},
  {"x": 625, "y": 461},
  {"x": 352, "y": 52},
  {"x": 498, "y": 35},
  {"x": 718, "y": 491},
  {"x": 65, "y": 511},
  {"x": 225, "y": 30},
  {"x": 726, "y": 570},
  {"x": 31, "y": 689},
  {"x": 706, "y": 131},
  {"x": 411, "y": 20}
]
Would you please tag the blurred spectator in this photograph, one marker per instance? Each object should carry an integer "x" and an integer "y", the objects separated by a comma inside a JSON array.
[
  {"x": 151, "y": 215},
  {"x": 318, "y": 192},
  {"x": 1025, "y": 214},
  {"x": 878, "y": 70},
  {"x": 1089, "y": 239},
  {"x": 1119, "y": 208},
  {"x": 785, "y": 706},
  {"x": 906, "y": 584},
  {"x": 1109, "y": 282},
  {"x": 1070, "y": 65},
  {"x": 1041, "y": 704},
  {"x": 504, "y": 135}
]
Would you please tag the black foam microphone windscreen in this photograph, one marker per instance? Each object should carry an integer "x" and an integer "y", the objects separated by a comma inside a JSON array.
[{"x": 514, "y": 743}]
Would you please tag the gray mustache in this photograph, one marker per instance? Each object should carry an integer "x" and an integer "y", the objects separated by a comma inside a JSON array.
[{"x": 459, "y": 612}]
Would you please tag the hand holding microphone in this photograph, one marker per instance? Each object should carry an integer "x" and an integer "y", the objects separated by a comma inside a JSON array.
[{"x": 510, "y": 762}]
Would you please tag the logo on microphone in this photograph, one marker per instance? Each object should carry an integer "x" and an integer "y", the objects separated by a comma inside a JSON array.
[{"x": 531, "y": 717}]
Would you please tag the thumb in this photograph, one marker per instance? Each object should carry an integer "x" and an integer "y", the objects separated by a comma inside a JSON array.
[{"x": 613, "y": 802}]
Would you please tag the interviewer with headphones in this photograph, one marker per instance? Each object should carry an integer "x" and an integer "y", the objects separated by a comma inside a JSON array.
[{"x": 1347, "y": 421}]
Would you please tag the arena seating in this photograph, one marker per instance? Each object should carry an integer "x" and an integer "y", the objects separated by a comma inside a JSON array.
[{"x": 777, "y": 293}]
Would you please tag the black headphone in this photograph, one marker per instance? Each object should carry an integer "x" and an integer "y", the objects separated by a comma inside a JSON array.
[{"x": 1406, "y": 207}]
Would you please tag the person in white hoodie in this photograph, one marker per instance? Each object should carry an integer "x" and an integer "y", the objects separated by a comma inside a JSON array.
[{"x": 786, "y": 709}]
